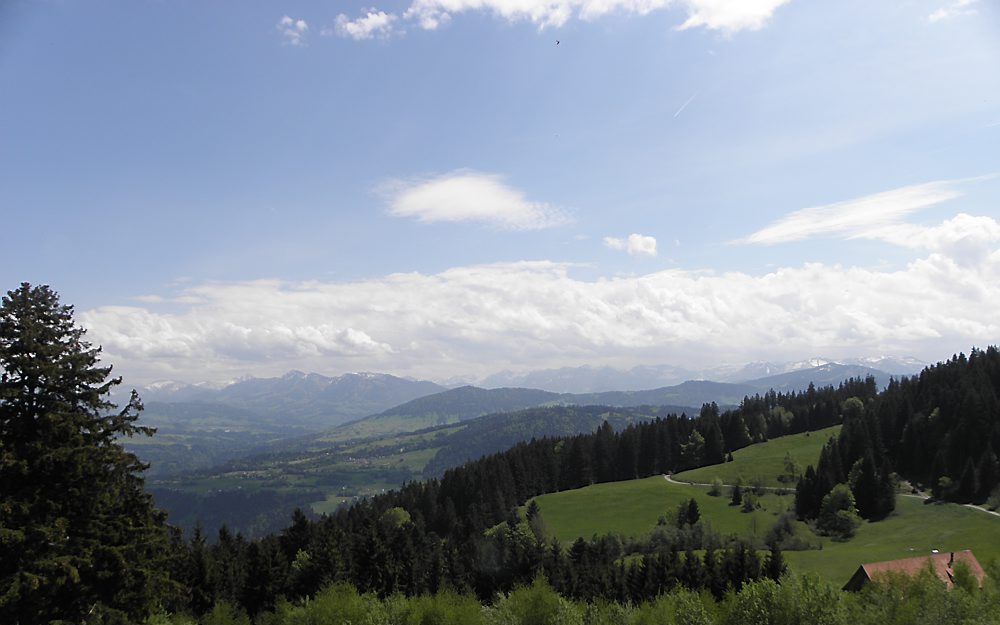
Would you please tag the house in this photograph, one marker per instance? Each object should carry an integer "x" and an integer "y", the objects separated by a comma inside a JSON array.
[{"x": 941, "y": 563}]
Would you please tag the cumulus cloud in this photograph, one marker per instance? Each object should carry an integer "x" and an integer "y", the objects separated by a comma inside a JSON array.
[
  {"x": 725, "y": 15},
  {"x": 293, "y": 31},
  {"x": 477, "y": 319},
  {"x": 953, "y": 9},
  {"x": 373, "y": 24},
  {"x": 466, "y": 195},
  {"x": 635, "y": 244},
  {"x": 857, "y": 218},
  {"x": 964, "y": 238},
  {"x": 729, "y": 16}
]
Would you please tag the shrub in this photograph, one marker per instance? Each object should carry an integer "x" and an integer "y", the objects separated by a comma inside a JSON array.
[
  {"x": 838, "y": 517},
  {"x": 716, "y": 489},
  {"x": 225, "y": 614},
  {"x": 758, "y": 603},
  {"x": 537, "y": 604},
  {"x": 444, "y": 608}
]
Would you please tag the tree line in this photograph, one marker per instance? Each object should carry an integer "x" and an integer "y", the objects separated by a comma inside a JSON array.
[{"x": 939, "y": 430}]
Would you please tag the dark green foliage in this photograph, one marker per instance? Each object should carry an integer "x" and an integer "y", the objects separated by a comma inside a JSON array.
[
  {"x": 938, "y": 429},
  {"x": 838, "y": 516},
  {"x": 80, "y": 540},
  {"x": 688, "y": 513},
  {"x": 774, "y": 566}
]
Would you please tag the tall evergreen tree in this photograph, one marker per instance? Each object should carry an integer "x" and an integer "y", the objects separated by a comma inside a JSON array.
[{"x": 80, "y": 540}]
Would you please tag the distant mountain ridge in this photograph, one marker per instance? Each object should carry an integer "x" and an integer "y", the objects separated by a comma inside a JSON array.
[
  {"x": 821, "y": 375},
  {"x": 470, "y": 402},
  {"x": 591, "y": 379},
  {"x": 308, "y": 400}
]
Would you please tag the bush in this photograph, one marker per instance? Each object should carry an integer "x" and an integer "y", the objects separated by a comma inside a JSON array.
[
  {"x": 993, "y": 503},
  {"x": 225, "y": 614},
  {"x": 537, "y": 604},
  {"x": 716, "y": 489},
  {"x": 444, "y": 608},
  {"x": 758, "y": 603},
  {"x": 680, "y": 607},
  {"x": 838, "y": 517},
  {"x": 785, "y": 535},
  {"x": 339, "y": 604},
  {"x": 605, "y": 613}
]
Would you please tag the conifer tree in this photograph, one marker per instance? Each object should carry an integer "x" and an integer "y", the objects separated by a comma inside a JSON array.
[
  {"x": 774, "y": 566},
  {"x": 80, "y": 540}
]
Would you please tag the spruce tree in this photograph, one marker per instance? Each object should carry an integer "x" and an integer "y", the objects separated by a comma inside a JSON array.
[
  {"x": 774, "y": 566},
  {"x": 80, "y": 540}
]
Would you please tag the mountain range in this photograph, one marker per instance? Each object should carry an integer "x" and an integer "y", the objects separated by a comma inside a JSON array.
[
  {"x": 296, "y": 399},
  {"x": 590, "y": 379},
  {"x": 469, "y": 402}
]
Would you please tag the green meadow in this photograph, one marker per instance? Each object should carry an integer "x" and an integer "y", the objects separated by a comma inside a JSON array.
[
  {"x": 632, "y": 509},
  {"x": 765, "y": 461}
]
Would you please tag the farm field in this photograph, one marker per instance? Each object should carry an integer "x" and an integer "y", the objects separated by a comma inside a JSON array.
[{"x": 764, "y": 461}]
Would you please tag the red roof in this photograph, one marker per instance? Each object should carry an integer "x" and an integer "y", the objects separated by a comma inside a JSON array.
[{"x": 941, "y": 563}]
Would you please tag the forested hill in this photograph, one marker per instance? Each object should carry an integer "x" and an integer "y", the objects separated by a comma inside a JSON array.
[
  {"x": 493, "y": 433},
  {"x": 437, "y": 533},
  {"x": 470, "y": 402},
  {"x": 939, "y": 429}
]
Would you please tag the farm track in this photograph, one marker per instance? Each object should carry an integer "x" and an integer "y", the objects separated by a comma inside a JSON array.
[{"x": 777, "y": 489}]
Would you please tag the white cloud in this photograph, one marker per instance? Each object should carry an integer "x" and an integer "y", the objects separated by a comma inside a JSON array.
[
  {"x": 954, "y": 9},
  {"x": 728, "y": 16},
  {"x": 467, "y": 195},
  {"x": 293, "y": 31},
  {"x": 478, "y": 319},
  {"x": 964, "y": 238},
  {"x": 855, "y": 218},
  {"x": 373, "y": 24},
  {"x": 635, "y": 244}
]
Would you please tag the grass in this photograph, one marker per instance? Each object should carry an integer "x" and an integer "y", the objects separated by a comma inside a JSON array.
[
  {"x": 914, "y": 529},
  {"x": 633, "y": 508},
  {"x": 764, "y": 461},
  {"x": 378, "y": 427}
]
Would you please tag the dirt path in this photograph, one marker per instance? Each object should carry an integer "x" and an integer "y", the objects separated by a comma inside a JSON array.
[
  {"x": 776, "y": 489},
  {"x": 792, "y": 491}
]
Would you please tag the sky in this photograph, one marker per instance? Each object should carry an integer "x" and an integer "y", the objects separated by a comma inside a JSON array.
[{"x": 449, "y": 188}]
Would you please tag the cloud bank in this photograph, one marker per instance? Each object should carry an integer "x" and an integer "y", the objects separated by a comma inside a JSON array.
[
  {"x": 727, "y": 16},
  {"x": 472, "y": 196},
  {"x": 477, "y": 319}
]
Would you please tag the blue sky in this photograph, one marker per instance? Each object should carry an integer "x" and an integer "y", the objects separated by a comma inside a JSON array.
[{"x": 228, "y": 188}]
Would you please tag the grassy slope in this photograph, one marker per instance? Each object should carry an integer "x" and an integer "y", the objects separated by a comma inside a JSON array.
[
  {"x": 914, "y": 529},
  {"x": 766, "y": 460},
  {"x": 632, "y": 508}
]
